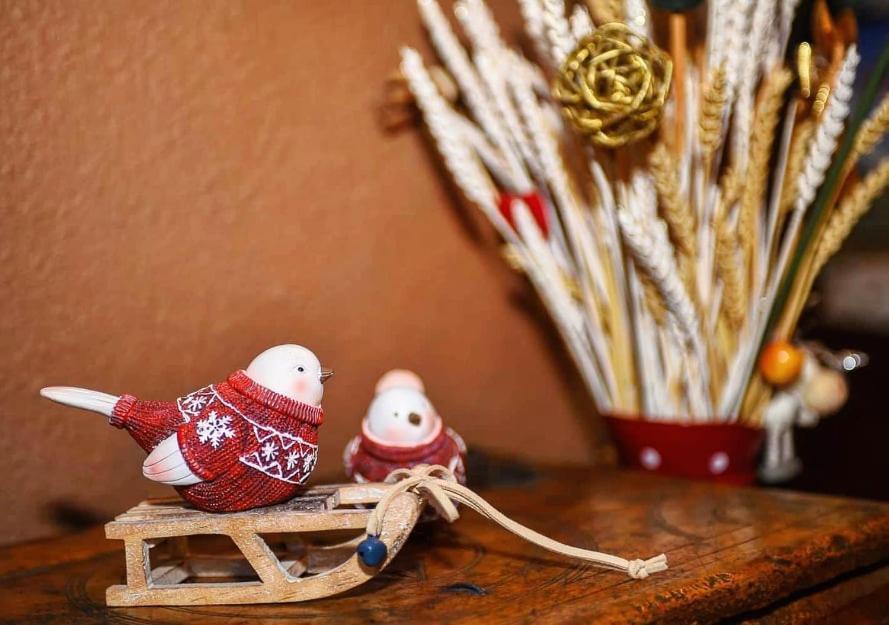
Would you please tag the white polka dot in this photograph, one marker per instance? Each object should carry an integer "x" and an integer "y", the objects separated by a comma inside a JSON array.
[
  {"x": 650, "y": 458},
  {"x": 718, "y": 463}
]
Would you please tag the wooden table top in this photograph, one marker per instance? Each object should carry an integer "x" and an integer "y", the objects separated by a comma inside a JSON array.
[{"x": 758, "y": 555}]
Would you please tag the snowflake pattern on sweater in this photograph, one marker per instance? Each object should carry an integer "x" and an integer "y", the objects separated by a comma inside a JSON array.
[
  {"x": 214, "y": 429},
  {"x": 217, "y": 426},
  {"x": 192, "y": 404}
]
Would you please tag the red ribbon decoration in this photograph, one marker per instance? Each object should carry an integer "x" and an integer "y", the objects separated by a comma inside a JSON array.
[{"x": 533, "y": 201}]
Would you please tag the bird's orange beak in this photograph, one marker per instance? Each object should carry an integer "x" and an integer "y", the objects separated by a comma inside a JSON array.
[{"x": 325, "y": 375}]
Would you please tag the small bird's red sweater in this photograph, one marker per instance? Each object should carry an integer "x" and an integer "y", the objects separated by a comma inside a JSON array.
[
  {"x": 251, "y": 446},
  {"x": 367, "y": 460}
]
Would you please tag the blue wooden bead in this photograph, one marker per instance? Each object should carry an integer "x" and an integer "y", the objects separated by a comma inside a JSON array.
[{"x": 372, "y": 551}]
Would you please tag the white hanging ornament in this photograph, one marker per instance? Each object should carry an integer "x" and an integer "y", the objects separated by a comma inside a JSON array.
[
  {"x": 816, "y": 393},
  {"x": 826, "y": 392}
]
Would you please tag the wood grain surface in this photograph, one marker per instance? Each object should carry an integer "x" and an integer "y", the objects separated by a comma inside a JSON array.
[{"x": 754, "y": 555}]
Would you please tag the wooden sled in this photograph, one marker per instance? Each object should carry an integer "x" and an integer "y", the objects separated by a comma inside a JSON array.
[{"x": 299, "y": 572}]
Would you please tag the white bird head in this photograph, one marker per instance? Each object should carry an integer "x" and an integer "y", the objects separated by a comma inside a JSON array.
[
  {"x": 292, "y": 371},
  {"x": 401, "y": 416}
]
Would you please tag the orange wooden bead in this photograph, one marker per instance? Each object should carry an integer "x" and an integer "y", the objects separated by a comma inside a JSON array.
[{"x": 780, "y": 363}]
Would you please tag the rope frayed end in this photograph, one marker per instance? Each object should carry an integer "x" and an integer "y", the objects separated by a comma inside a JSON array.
[{"x": 640, "y": 569}]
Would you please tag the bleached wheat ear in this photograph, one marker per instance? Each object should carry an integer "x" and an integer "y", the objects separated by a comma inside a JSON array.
[
  {"x": 651, "y": 251},
  {"x": 558, "y": 31},
  {"x": 637, "y": 17},
  {"x": 737, "y": 21},
  {"x": 760, "y": 27},
  {"x": 532, "y": 14},
  {"x": 778, "y": 42},
  {"x": 832, "y": 122},
  {"x": 581, "y": 23},
  {"x": 458, "y": 63},
  {"x": 458, "y": 157}
]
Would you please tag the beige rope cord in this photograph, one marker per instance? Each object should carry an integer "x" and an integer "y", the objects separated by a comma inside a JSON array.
[{"x": 439, "y": 486}]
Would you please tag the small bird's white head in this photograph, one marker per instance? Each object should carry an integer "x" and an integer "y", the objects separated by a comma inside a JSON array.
[
  {"x": 292, "y": 371},
  {"x": 402, "y": 416}
]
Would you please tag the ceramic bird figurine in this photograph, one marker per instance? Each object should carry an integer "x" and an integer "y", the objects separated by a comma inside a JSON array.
[
  {"x": 401, "y": 430},
  {"x": 246, "y": 442}
]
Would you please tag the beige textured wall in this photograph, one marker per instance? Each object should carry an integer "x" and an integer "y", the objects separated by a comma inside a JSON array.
[{"x": 184, "y": 184}]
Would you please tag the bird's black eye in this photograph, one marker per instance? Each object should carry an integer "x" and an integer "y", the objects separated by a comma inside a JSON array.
[{"x": 300, "y": 369}]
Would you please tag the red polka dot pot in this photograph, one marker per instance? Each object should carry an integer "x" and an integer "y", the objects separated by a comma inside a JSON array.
[{"x": 724, "y": 453}]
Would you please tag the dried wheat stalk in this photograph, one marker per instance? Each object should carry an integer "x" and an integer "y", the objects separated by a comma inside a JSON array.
[
  {"x": 872, "y": 131},
  {"x": 849, "y": 212},
  {"x": 799, "y": 146},
  {"x": 653, "y": 299},
  {"x": 676, "y": 212},
  {"x": 827, "y": 134},
  {"x": 710, "y": 123},
  {"x": 659, "y": 268},
  {"x": 605, "y": 11},
  {"x": 750, "y": 219},
  {"x": 650, "y": 248},
  {"x": 729, "y": 271}
]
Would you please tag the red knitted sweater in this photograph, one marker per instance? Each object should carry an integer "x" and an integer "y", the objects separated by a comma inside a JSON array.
[
  {"x": 367, "y": 460},
  {"x": 251, "y": 446}
]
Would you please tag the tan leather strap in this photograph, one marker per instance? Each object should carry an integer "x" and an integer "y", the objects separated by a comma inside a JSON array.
[{"x": 440, "y": 488}]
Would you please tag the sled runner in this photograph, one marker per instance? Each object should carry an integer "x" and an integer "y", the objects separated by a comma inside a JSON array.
[
  {"x": 294, "y": 565},
  {"x": 298, "y": 565}
]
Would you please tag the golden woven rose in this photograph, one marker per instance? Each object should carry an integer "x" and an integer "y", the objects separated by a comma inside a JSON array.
[{"x": 613, "y": 86}]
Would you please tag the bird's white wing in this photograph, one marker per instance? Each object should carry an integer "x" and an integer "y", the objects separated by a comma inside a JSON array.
[{"x": 166, "y": 464}]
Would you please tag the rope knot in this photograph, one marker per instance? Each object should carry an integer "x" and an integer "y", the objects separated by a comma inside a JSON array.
[
  {"x": 640, "y": 569},
  {"x": 428, "y": 481},
  {"x": 637, "y": 570}
]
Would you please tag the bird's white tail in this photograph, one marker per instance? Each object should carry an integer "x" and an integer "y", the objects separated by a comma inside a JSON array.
[{"x": 81, "y": 398}]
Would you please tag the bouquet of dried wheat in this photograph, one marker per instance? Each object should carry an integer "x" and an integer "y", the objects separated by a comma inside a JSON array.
[{"x": 671, "y": 209}]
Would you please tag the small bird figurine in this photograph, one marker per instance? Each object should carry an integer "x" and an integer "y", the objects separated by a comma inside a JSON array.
[
  {"x": 401, "y": 430},
  {"x": 246, "y": 442}
]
